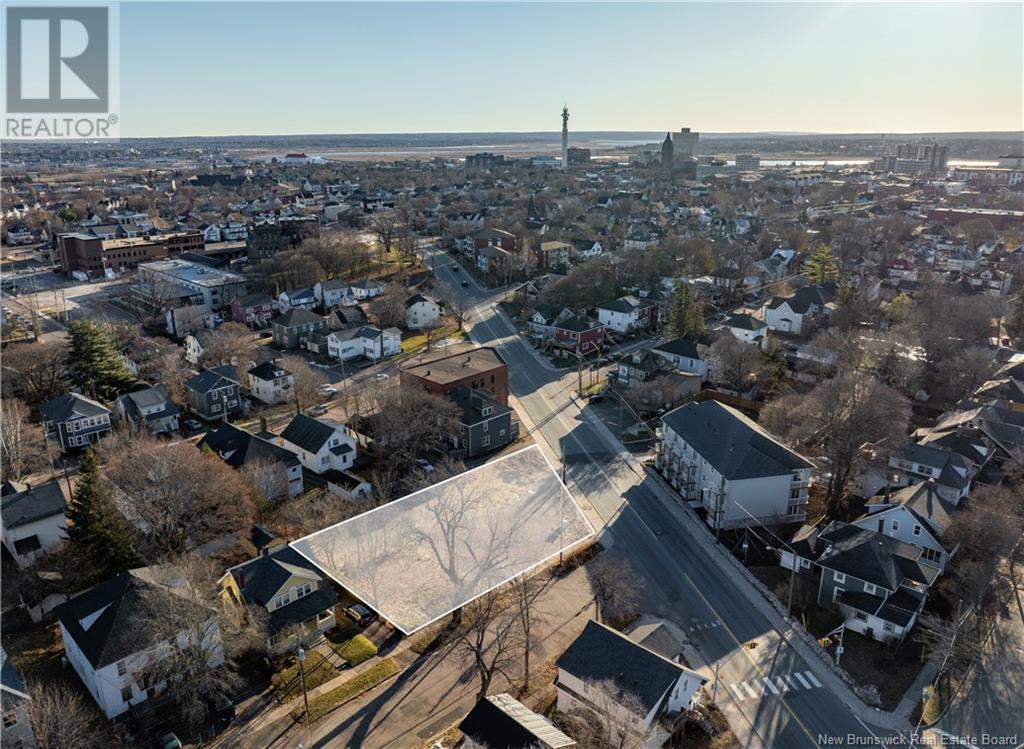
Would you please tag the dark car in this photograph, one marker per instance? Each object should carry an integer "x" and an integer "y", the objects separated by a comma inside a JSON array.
[
  {"x": 465, "y": 284},
  {"x": 455, "y": 269},
  {"x": 221, "y": 711},
  {"x": 358, "y": 613}
]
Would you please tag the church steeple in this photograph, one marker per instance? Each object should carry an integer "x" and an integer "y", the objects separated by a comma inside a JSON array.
[{"x": 667, "y": 152}]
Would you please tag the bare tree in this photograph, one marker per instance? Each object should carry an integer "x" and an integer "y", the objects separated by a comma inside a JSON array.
[
  {"x": 316, "y": 510},
  {"x": 231, "y": 343},
  {"x": 839, "y": 417},
  {"x": 615, "y": 720},
  {"x": 409, "y": 420},
  {"x": 23, "y": 449},
  {"x": 615, "y": 585},
  {"x": 174, "y": 496},
  {"x": 61, "y": 719},
  {"x": 390, "y": 306},
  {"x": 491, "y": 637},
  {"x": 268, "y": 477},
  {"x": 733, "y": 362},
  {"x": 40, "y": 368},
  {"x": 307, "y": 387},
  {"x": 385, "y": 228},
  {"x": 525, "y": 592}
]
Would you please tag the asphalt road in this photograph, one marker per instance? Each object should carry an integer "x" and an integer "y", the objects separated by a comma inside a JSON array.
[{"x": 769, "y": 685}]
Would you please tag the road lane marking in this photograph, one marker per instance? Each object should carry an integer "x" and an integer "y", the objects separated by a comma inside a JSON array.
[
  {"x": 767, "y": 681},
  {"x": 750, "y": 690},
  {"x": 813, "y": 679}
]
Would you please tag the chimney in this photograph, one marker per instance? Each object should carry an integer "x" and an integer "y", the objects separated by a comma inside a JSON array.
[{"x": 263, "y": 423}]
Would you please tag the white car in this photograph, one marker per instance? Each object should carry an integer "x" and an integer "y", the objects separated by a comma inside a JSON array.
[
  {"x": 329, "y": 390},
  {"x": 425, "y": 465},
  {"x": 381, "y": 376}
]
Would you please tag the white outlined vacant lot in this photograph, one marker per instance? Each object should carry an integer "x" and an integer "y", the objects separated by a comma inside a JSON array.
[{"x": 425, "y": 555}]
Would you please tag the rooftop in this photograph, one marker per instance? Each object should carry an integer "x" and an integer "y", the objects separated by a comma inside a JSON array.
[{"x": 458, "y": 366}]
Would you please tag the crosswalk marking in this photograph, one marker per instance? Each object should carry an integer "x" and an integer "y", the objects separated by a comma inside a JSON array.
[
  {"x": 698, "y": 625},
  {"x": 768, "y": 686}
]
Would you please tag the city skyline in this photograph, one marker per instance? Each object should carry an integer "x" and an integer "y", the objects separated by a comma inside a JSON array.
[{"x": 454, "y": 68}]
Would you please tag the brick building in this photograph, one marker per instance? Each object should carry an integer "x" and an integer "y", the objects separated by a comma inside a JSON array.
[{"x": 479, "y": 368}]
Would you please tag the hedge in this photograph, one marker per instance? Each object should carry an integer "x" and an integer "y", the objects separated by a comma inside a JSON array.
[
  {"x": 288, "y": 681},
  {"x": 368, "y": 679},
  {"x": 357, "y": 650}
]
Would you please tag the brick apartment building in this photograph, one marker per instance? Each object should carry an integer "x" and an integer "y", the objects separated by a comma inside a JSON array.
[
  {"x": 479, "y": 368},
  {"x": 81, "y": 252}
]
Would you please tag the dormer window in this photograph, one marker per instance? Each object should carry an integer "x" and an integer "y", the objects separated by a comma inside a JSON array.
[{"x": 487, "y": 410}]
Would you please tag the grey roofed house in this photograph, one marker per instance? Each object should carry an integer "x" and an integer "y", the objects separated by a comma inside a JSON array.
[
  {"x": 31, "y": 503},
  {"x": 417, "y": 298},
  {"x": 138, "y": 401},
  {"x": 872, "y": 557},
  {"x": 255, "y": 299},
  {"x": 733, "y": 444},
  {"x": 268, "y": 371},
  {"x": 261, "y": 578},
  {"x": 806, "y": 297},
  {"x": 744, "y": 321},
  {"x": 600, "y": 654},
  {"x": 297, "y": 316},
  {"x": 499, "y": 721},
  {"x": 685, "y": 347},
  {"x": 71, "y": 406},
  {"x": 212, "y": 379},
  {"x": 237, "y": 447},
  {"x": 923, "y": 501},
  {"x": 10, "y": 682},
  {"x": 308, "y": 433},
  {"x": 954, "y": 469},
  {"x": 105, "y": 620}
]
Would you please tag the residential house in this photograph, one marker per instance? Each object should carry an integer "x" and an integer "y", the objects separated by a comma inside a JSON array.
[
  {"x": 107, "y": 642},
  {"x": 479, "y": 368},
  {"x": 951, "y": 471},
  {"x": 916, "y": 515},
  {"x": 368, "y": 289},
  {"x": 746, "y": 327},
  {"x": 502, "y": 721},
  {"x": 492, "y": 259},
  {"x": 271, "y": 383},
  {"x": 333, "y": 293},
  {"x": 319, "y": 444},
  {"x": 578, "y": 333},
  {"x": 422, "y": 312},
  {"x": 345, "y": 318},
  {"x": 72, "y": 421},
  {"x": 642, "y": 692},
  {"x": 14, "y": 707},
  {"x": 542, "y": 321},
  {"x": 277, "y": 470},
  {"x": 651, "y": 382},
  {"x": 32, "y": 520},
  {"x": 586, "y": 249},
  {"x": 294, "y": 326},
  {"x": 367, "y": 341},
  {"x": 149, "y": 406},
  {"x": 685, "y": 354},
  {"x": 990, "y": 281},
  {"x": 347, "y": 485},
  {"x": 796, "y": 314},
  {"x": 627, "y": 314},
  {"x": 484, "y": 425},
  {"x": 731, "y": 468},
  {"x": 253, "y": 310},
  {"x": 215, "y": 393},
  {"x": 878, "y": 583},
  {"x": 296, "y": 594},
  {"x": 296, "y": 299},
  {"x": 553, "y": 254}
]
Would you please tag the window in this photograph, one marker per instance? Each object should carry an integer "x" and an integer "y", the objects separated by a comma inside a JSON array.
[
  {"x": 888, "y": 627},
  {"x": 323, "y": 615},
  {"x": 485, "y": 426},
  {"x": 805, "y": 564},
  {"x": 282, "y": 600},
  {"x": 215, "y": 408},
  {"x": 793, "y": 508},
  {"x": 126, "y": 693},
  {"x": 861, "y": 617},
  {"x": 303, "y": 590},
  {"x": 324, "y": 459},
  {"x": 839, "y": 577},
  {"x": 870, "y": 589},
  {"x": 10, "y": 719},
  {"x": 894, "y": 525},
  {"x": 122, "y": 669},
  {"x": 487, "y": 410},
  {"x": 486, "y": 441},
  {"x": 931, "y": 555},
  {"x": 917, "y": 529}
]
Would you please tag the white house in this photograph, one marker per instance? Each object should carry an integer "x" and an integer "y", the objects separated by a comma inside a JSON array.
[
  {"x": 271, "y": 383},
  {"x": 626, "y": 314},
  {"x": 333, "y": 293},
  {"x": 794, "y": 314},
  {"x": 685, "y": 355},
  {"x": 604, "y": 671},
  {"x": 111, "y": 644},
  {"x": 320, "y": 445},
  {"x": 368, "y": 289},
  {"x": 296, "y": 299},
  {"x": 718, "y": 459},
  {"x": 421, "y": 312},
  {"x": 746, "y": 327},
  {"x": 368, "y": 341},
  {"x": 32, "y": 520}
]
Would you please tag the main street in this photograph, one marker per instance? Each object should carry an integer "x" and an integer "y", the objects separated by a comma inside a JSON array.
[{"x": 764, "y": 683}]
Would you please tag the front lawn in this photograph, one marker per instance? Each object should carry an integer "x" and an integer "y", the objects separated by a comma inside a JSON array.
[
  {"x": 335, "y": 698},
  {"x": 414, "y": 343},
  {"x": 357, "y": 650},
  {"x": 287, "y": 682}
]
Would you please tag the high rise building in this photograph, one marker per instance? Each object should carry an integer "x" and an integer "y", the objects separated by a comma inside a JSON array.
[
  {"x": 667, "y": 153},
  {"x": 746, "y": 162},
  {"x": 565, "y": 138},
  {"x": 686, "y": 143},
  {"x": 915, "y": 158}
]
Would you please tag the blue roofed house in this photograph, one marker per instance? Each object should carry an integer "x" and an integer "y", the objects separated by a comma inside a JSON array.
[
  {"x": 299, "y": 600},
  {"x": 729, "y": 467},
  {"x": 215, "y": 393}
]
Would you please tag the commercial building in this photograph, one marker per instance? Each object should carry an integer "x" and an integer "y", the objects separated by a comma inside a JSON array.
[
  {"x": 216, "y": 287},
  {"x": 94, "y": 256},
  {"x": 746, "y": 162},
  {"x": 480, "y": 368}
]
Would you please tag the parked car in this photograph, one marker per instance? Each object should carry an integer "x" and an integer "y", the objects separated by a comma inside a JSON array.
[
  {"x": 455, "y": 269},
  {"x": 425, "y": 465},
  {"x": 358, "y": 613},
  {"x": 193, "y": 424},
  {"x": 221, "y": 711},
  {"x": 318, "y": 410},
  {"x": 465, "y": 284},
  {"x": 329, "y": 390},
  {"x": 381, "y": 376},
  {"x": 169, "y": 741}
]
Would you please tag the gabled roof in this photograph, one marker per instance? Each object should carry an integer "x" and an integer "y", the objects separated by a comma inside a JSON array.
[
  {"x": 308, "y": 433},
  {"x": 686, "y": 347},
  {"x": 602, "y": 654},
  {"x": 924, "y": 502},
  {"x": 33, "y": 503},
  {"x": 733, "y": 444},
  {"x": 213, "y": 379},
  {"x": 236, "y": 447},
  {"x": 296, "y": 316},
  {"x": 873, "y": 557},
  {"x": 499, "y": 721},
  {"x": 71, "y": 406},
  {"x": 107, "y": 621},
  {"x": 261, "y": 578},
  {"x": 744, "y": 321},
  {"x": 268, "y": 370},
  {"x": 417, "y": 298}
]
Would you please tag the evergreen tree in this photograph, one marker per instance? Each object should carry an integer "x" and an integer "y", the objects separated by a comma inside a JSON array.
[
  {"x": 685, "y": 315},
  {"x": 95, "y": 528},
  {"x": 96, "y": 367},
  {"x": 821, "y": 266}
]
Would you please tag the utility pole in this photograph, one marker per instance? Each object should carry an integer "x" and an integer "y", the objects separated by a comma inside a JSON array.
[
  {"x": 302, "y": 675},
  {"x": 718, "y": 508}
]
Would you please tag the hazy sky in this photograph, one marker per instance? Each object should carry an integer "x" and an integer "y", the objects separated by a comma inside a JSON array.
[{"x": 283, "y": 67}]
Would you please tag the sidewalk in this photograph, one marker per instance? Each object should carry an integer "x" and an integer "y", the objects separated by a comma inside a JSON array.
[{"x": 792, "y": 633}]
